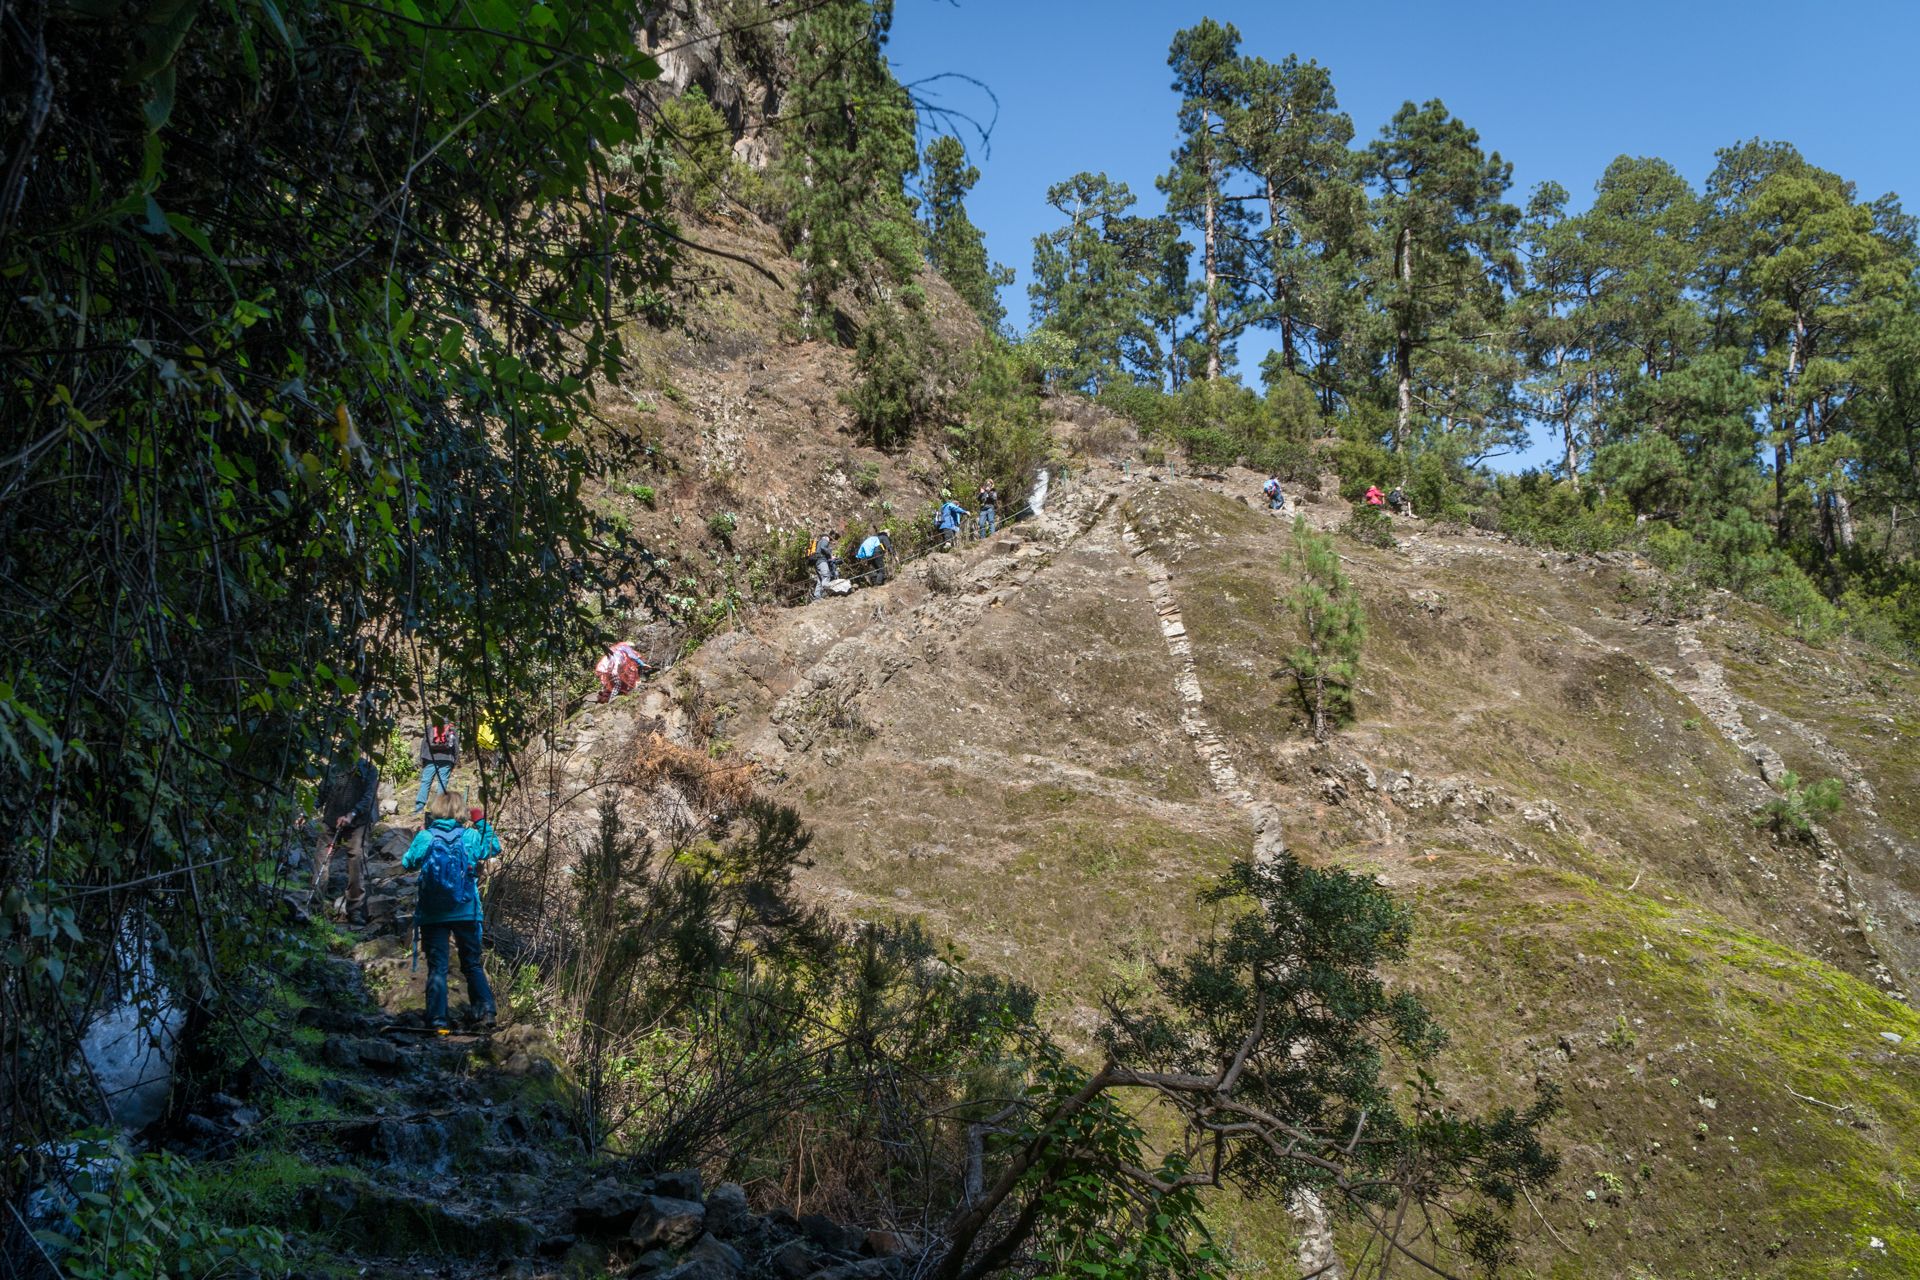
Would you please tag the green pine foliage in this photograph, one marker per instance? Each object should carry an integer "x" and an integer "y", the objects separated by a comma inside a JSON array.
[
  {"x": 1325, "y": 662},
  {"x": 1206, "y": 69},
  {"x": 1100, "y": 290},
  {"x": 1729, "y": 372},
  {"x": 955, "y": 246},
  {"x": 696, "y": 145},
  {"x": 1798, "y": 805},
  {"x": 849, "y": 147},
  {"x": 903, "y": 379}
]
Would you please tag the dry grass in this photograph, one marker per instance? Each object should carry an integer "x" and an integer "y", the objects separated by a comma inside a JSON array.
[{"x": 721, "y": 786}]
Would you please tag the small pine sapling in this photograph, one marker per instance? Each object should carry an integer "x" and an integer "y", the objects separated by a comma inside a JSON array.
[{"x": 1333, "y": 629}]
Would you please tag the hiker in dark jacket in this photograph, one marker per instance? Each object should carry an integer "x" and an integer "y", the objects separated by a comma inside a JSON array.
[
  {"x": 449, "y": 904},
  {"x": 988, "y": 501},
  {"x": 351, "y": 805},
  {"x": 825, "y": 567},
  {"x": 437, "y": 754}
]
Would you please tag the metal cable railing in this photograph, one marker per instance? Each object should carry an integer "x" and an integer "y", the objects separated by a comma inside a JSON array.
[{"x": 1059, "y": 485}]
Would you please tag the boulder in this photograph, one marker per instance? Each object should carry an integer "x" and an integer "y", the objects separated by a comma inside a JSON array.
[
  {"x": 794, "y": 1260},
  {"x": 683, "y": 1184},
  {"x": 606, "y": 1208},
  {"x": 663, "y": 1220},
  {"x": 830, "y": 1235},
  {"x": 652, "y": 1262},
  {"x": 718, "y": 1253},
  {"x": 728, "y": 1213},
  {"x": 348, "y": 1053}
]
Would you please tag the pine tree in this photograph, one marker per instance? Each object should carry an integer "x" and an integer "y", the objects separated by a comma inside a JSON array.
[
  {"x": 1799, "y": 267},
  {"x": 1441, "y": 257},
  {"x": 1204, "y": 60},
  {"x": 955, "y": 246},
  {"x": 848, "y": 152},
  {"x": 1333, "y": 628},
  {"x": 1093, "y": 285},
  {"x": 1555, "y": 320},
  {"x": 1289, "y": 132}
]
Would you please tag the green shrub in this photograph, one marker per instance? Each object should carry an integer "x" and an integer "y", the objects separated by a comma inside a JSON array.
[
  {"x": 397, "y": 764},
  {"x": 902, "y": 376},
  {"x": 1442, "y": 487},
  {"x": 1005, "y": 435},
  {"x": 866, "y": 479},
  {"x": 1786, "y": 589},
  {"x": 132, "y": 1216},
  {"x": 1360, "y": 463},
  {"x": 782, "y": 569},
  {"x": 696, "y": 146},
  {"x": 1148, "y": 408},
  {"x": 1792, "y": 812},
  {"x": 640, "y": 493},
  {"x": 722, "y": 524},
  {"x": 1540, "y": 511},
  {"x": 1370, "y": 525},
  {"x": 1210, "y": 446},
  {"x": 1292, "y": 460}
]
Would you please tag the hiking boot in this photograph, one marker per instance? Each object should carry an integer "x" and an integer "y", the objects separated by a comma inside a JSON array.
[{"x": 440, "y": 1028}]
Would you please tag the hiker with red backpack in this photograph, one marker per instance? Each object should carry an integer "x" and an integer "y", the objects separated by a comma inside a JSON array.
[
  {"x": 448, "y": 856},
  {"x": 620, "y": 670},
  {"x": 437, "y": 754}
]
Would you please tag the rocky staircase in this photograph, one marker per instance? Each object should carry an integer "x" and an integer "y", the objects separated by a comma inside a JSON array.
[{"x": 466, "y": 1154}]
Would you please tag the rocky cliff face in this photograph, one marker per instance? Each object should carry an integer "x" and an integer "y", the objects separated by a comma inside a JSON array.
[{"x": 734, "y": 51}]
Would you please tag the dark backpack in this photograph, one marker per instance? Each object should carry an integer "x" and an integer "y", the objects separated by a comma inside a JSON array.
[
  {"x": 446, "y": 882},
  {"x": 442, "y": 737}
]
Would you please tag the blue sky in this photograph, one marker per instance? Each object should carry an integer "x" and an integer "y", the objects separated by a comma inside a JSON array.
[{"x": 1558, "y": 89}]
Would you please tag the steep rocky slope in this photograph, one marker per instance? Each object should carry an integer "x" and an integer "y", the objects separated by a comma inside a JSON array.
[{"x": 1042, "y": 745}]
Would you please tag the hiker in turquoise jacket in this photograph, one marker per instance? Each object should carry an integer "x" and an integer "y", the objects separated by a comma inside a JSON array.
[{"x": 457, "y": 916}]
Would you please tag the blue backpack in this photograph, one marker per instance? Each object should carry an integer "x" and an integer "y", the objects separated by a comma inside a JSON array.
[{"x": 446, "y": 881}]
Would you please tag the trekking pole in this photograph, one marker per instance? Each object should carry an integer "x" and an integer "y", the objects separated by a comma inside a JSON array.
[{"x": 323, "y": 869}]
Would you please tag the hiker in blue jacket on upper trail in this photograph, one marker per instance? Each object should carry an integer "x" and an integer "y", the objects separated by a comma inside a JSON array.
[
  {"x": 948, "y": 522},
  {"x": 448, "y": 857}
]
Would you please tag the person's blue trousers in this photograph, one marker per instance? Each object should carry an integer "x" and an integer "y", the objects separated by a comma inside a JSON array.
[
  {"x": 429, "y": 774},
  {"x": 465, "y": 934}
]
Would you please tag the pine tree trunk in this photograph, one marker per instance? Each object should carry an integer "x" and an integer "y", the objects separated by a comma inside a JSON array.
[
  {"x": 1280, "y": 298},
  {"x": 1843, "y": 519},
  {"x": 1403, "y": 344},
  {"x": 1840, "y": 511},
  {"x": 1212, "y": 305},
  {"x": 1783, "y": 448},
  {"x": 1566, "y": 425},
  {"x": 1319, "y": 708}
]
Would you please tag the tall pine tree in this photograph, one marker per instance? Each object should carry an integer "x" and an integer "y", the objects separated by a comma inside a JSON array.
[
  {"x": 1288, "y": 131},
  {"x": 1799, "y": 267},
  {"x": 955, "y": 246},
  {"x": 1441, "y": 257},
  {"x": 1097, "y": 282},
  {"x": 1204, "y": 59},
  {"x": 849, "y": 146}
]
